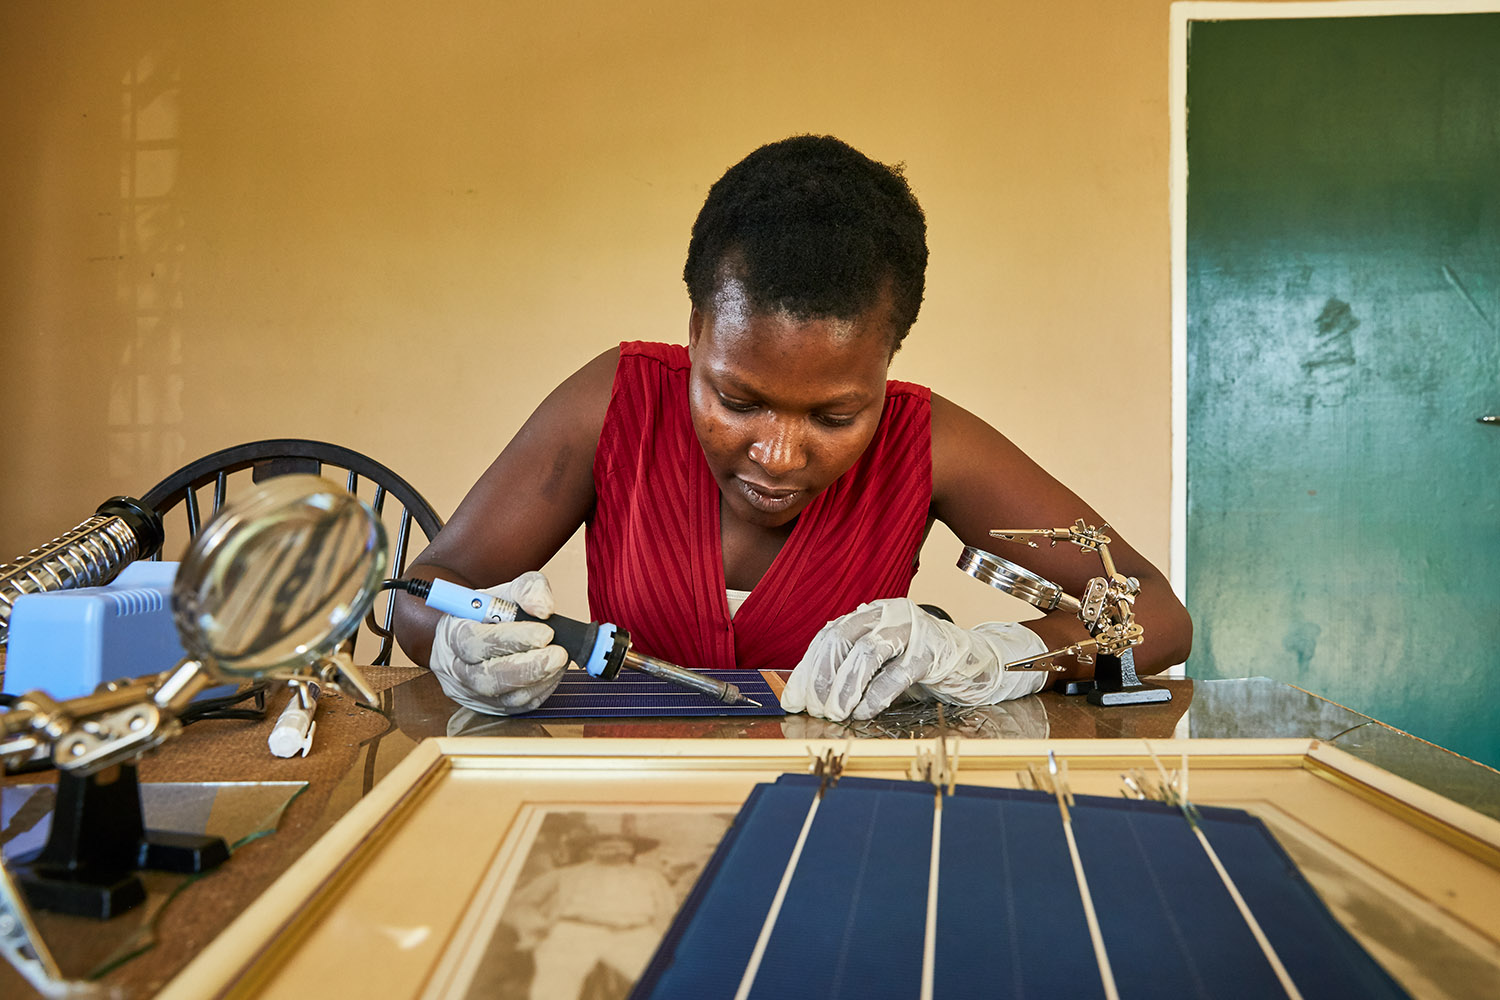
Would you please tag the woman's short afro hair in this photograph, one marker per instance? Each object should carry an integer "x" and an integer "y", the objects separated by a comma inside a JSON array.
[{"x": 812, "y": 227}]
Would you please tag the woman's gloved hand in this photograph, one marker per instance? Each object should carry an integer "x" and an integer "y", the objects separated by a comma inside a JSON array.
[
  {"x": 861, "y": 662},
  {"x": 504, "y": 668}
]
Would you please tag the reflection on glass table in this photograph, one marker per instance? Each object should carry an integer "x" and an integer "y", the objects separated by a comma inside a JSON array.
[
  {"x": 239, "y": 812},
  {"x": 1253, "y": 707}
]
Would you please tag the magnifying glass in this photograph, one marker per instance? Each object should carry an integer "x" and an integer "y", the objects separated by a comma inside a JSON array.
[
  {"x": 279, "y": 578},
  {"x": 1018, "y": 581},
  {"x": 269, "y": 588}
]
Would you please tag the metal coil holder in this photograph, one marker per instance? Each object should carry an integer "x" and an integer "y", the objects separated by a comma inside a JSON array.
[{"x": 91, "y": 554}]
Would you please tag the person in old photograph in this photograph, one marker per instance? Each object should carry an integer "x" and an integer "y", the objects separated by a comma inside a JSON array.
[
  {"x": 579, "y": 916},
  {"x": 757, "y": 497},
  {"x": 601, "y": 914}
]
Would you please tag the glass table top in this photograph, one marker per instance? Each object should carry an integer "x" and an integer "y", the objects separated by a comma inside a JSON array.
[{"x": 355, "y": 746}]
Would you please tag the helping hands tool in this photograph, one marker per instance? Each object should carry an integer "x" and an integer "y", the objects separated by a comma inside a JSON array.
[
  {"x": 600, "y": 648},
  {"x": 1107, "y": 610},
  {"x": 1107, "y": 607}
]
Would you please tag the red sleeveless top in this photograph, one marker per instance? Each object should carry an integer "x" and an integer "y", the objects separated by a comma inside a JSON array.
[{"x": 655, "y": 563}]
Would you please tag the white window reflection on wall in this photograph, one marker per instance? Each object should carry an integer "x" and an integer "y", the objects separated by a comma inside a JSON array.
[{"x": 145, "y": 398}]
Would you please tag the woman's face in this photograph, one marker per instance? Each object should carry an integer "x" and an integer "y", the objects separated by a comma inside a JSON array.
[{"x": 783, "y": 407}]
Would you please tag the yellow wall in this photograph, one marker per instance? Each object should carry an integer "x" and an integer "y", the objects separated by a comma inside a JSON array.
[{"x": 396, "y": 225}]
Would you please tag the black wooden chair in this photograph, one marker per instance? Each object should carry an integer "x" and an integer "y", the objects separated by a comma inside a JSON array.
[{"x": 362, "y": 476}]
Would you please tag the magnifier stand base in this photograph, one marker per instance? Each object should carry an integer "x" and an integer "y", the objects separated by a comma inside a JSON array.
[
  {"x": 1116, "y": 683},
  {"x": 184, "y": 853},
  {"x": 1139, "y": 694},
  {"x": 98, "y": 842}
]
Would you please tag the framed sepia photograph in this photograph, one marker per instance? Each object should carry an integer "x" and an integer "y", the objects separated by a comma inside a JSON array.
[
  {"x": 577, "y": 902},
  {"x": 528, "y": 868}
]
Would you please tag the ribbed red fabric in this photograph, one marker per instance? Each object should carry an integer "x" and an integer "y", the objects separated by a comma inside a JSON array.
[{"x": 655, "y": 564}]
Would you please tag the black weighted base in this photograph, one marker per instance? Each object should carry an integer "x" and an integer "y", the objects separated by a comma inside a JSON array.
[
  {"x": 1116, "y": 683},
  {"x": 1138, "y": 694},
  {"x": 98, "y": 842},
  {"x": 186, "y": 853},
  {"x": 99, "y": 895}
]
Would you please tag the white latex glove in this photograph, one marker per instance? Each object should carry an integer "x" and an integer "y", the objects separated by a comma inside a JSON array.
[
  {"x": 503, "y": 668},
  {"x": 861, "y": 662}
]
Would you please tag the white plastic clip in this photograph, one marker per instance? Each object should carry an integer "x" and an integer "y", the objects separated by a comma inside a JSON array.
[{"x": 293, "y": 731}]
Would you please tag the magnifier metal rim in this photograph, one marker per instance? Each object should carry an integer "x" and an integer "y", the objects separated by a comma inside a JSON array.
[
  {"x": 226, "y": 535},
  {"x": 1002, "y": 574}
]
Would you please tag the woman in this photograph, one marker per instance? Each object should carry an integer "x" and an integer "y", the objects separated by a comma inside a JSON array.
[{"x": 758, "y": 498}]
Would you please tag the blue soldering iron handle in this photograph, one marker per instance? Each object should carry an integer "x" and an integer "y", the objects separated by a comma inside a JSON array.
[{"x": 591, "y": 645}]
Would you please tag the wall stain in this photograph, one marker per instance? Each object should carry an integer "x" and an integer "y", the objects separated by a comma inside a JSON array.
[
  {"x": 1458, "y": 286},
  {"x": 1330, "y": 363},
  {"x": 1335, "y": 342},
  {"x": 1301, "y": 640}
]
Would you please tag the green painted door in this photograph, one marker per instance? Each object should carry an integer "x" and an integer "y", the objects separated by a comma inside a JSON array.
[{"x": 1343, "y": 338}]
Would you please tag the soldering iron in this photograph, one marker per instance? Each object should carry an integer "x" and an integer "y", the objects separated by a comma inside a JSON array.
[{"x": 600, "y": 648}]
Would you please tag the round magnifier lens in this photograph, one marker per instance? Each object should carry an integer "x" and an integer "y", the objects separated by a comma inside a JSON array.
[
  {"x": 1002, "y": 574},
  {"x": 279, "y": 576}
]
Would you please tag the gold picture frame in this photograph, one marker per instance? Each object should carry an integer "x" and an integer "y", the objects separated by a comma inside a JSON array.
[{"x": 375, "y": 907}]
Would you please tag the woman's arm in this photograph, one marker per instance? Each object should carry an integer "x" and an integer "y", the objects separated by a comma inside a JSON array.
[
  {"x": 980, "y": 481},
  {"x": 525, "y": 506}
]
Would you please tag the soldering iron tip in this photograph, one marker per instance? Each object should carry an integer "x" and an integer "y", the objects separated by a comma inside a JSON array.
[{"x": 751, "y": 701}]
